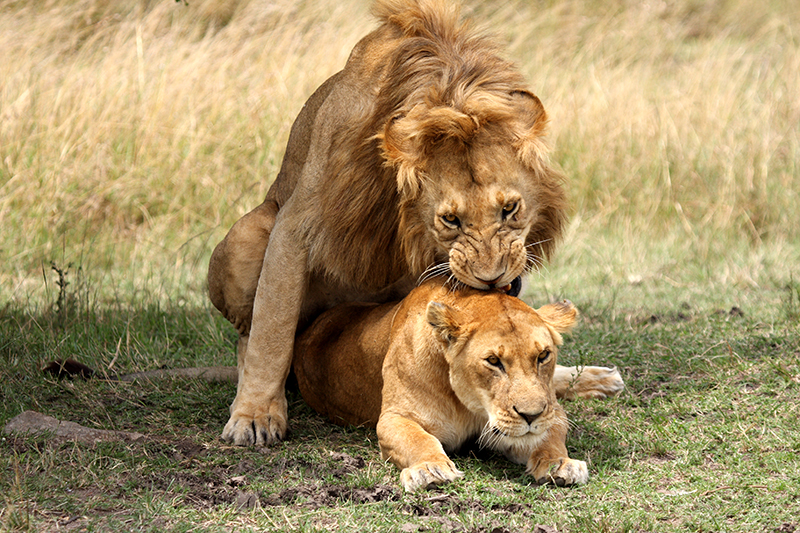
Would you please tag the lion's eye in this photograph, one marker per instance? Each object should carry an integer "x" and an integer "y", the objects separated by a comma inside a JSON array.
[
  {"x": 509, "y": 209},
  {"x": 451, "y": 220},
  {"x": 543, "y": 357},
  {"x": 495, "y": 361}
]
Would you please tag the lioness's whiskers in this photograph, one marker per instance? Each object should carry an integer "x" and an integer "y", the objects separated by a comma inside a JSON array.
[{"x": 489, "y": 436}]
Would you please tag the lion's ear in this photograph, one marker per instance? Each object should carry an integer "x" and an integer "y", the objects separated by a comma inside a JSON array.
[
  {"x": 399, "y": 151},
  {"x": 561, "y": 316},
  {"x": 445, "y": 322},
  {"x": 531, "y": 126}
]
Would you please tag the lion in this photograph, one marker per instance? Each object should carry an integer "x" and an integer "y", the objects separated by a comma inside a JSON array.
[
  {"x": 445, "y": 366},
  {"x": 424, "y": 155}
]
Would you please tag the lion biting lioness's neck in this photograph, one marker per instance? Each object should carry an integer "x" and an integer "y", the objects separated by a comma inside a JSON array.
[{"x": 425, "y": 154}]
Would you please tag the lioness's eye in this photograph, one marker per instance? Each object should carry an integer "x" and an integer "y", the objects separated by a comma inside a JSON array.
[
  {"x": 495, "y": 361},
  {"x": 544, "y": 356},
  {"x": 451, "y": 220},
  {"x": 509, "y": 209}
]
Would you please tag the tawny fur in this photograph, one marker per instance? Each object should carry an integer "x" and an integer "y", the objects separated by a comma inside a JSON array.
[
  {"x": 425, "y": 121},
  {"x": 423, "y": 371}
]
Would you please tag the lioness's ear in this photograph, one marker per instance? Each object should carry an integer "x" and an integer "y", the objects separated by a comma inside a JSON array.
[
  {"x": 444, "y": 320},
  {"x": 531, "y": 126},
  {"x": 560, "y": 316}
]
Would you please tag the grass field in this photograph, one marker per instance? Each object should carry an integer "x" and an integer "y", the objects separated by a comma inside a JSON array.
[{"x": 134, "y": 133}]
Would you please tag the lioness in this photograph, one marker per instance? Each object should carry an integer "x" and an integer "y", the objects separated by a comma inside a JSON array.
[
  {"x": 424, "y": 154},
  {"x": 444, "y": 366}
]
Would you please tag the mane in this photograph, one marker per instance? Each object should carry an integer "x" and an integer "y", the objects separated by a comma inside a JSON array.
[{"x": 443, "y": 80}]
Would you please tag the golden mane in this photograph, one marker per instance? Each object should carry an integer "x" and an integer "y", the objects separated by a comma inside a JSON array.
[{"x": 443, "y": 81}]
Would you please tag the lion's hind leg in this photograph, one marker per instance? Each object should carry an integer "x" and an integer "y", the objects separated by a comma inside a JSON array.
[
  {"x": 236, "y": 264},
  {"x": 572, "y": 382},
  {"x": 234, "y": 270}
]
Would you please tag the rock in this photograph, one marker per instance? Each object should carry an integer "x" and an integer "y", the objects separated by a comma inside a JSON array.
[{"x": 34, "y": 423}]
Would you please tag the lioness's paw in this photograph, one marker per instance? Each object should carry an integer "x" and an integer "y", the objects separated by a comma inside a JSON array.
[
  {"x": 262, "y": 430},
  {"x": 563, "y": 472},
  {"x": 424, "y": 475},
  {"x": 594, "y": 382}
]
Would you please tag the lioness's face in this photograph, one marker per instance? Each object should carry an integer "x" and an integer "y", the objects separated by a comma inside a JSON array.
[
  {"x": 480, "y": 207},
  {"x": 504, "y": 371}
]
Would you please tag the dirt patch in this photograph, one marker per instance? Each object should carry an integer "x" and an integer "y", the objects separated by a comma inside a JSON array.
[
  {"x": 316, "y": 496},
  {"x": 203, "y": 490}
]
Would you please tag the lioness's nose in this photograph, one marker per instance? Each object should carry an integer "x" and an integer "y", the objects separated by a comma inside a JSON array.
[{"x": 529, "y": 417}]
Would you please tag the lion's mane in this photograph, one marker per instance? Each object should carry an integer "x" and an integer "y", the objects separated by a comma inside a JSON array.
[{"x": 444, "y": 83}]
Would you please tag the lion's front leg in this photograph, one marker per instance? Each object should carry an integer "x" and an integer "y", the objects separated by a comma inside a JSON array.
[
  {"x": 419, "y": 454},
  {"x": 550, "y": 463},
  {"x": 572, "y": 382},
  {"x": 259, "y": 412}
]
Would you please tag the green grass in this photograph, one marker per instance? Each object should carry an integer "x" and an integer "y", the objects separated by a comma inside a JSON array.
[
  {"x": 134, "y": 134},
  {"x": 705, "y": 438}
]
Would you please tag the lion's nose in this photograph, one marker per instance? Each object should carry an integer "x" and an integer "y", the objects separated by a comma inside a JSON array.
[{"x": 529, "y": 417}]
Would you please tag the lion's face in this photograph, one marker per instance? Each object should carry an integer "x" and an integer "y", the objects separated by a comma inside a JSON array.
[
  {"x": 479, "y": 211},
  {"x": 478, "y": 200},
  {"x": 502, "y": 355}
]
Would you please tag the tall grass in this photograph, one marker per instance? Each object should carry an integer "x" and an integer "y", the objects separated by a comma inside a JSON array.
[{"x": 134, "y": 133}]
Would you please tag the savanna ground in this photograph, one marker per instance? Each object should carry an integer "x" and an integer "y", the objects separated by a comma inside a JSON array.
[{"x": 134, "y": 133}]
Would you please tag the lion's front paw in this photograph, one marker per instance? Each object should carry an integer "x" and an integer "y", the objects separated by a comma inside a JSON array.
[
  {"x": 263, "y": 428},
  {"x": 424, "y": 475},
  {"x": 562, "y": 472}
]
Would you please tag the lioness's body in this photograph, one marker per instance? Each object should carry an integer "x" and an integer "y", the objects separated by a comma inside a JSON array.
[
  {"x": 424, "y": 151},
  {"x": 418, "y": 370}
]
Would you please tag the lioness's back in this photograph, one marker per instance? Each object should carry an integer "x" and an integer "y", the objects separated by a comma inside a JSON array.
[{"x": 338, "y": 362}]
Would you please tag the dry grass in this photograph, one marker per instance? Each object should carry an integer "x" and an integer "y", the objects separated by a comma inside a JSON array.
[{"x": 133, "y": 134}]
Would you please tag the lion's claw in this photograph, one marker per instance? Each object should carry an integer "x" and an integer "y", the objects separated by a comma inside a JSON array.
[
  {"x": 246, "y": 430},
  {"x": 424, "y": 475},
  {"x": 562, "y": 473}
]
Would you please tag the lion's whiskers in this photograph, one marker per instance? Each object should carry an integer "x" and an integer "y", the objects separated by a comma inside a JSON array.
[
  {"x": 454, "y": 283},
  {"x": 533, "y": 260},
  {"x": 436, "y": 269},
  {"x": 537, "y": 243}
]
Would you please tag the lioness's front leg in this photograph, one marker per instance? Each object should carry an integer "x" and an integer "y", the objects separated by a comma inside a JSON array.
[
  {"x": 549, "y": 463},
  {"x": 419, "y": 454},
  {"x": 259, "y": 411}
]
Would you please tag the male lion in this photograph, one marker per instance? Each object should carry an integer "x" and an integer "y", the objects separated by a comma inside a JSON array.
[
  {"x": 424, "y": 153},
  {"x": 444, "y": 366}
]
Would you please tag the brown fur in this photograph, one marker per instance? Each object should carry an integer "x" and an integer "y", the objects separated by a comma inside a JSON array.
[
  {"x": 419, "y": 370},
  {"x": 425, "y": 120}
]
